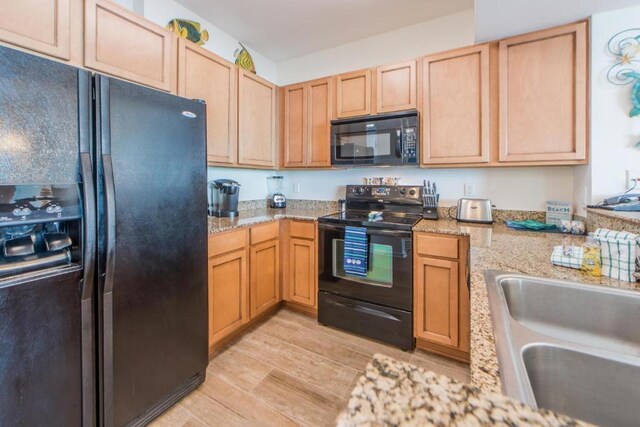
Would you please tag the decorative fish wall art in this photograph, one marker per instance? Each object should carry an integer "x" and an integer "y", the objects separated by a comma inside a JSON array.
[
  {"x": 625, "y": 46},
  {"x": 189, "y": 30},
  {"x": 244, "y": 59}
]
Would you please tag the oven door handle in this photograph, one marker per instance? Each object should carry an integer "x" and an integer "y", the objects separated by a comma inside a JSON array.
[{"x": 370, "y": 230}]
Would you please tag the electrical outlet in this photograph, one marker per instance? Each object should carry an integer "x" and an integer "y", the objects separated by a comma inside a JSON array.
[
  {"x": 469, "y": 189},
  {"x": 632, "y": 174},
  {"x": 296, "y": 187}
]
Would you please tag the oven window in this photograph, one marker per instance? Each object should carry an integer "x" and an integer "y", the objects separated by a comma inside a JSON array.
[
  {"x": 380, "y": 272},
  {"x": 364, "y": 145}
]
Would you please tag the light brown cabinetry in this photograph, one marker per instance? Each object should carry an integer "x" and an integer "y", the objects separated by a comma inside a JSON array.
[
  {"x": 441, "y": 294},
  {"x": 256, "y": 121},
  {"x": 353, "y": 94},
  {"x": 306, "y": 127},
  {"x": 395, "y": 88},
  {"x": 204, "y": 75},
  {"x": 264, "y": 269},
  {"x": 43, "y": 26},
  {"x": 300, "y": 271},
  {"x": 122, "y": 44},
  {"x": 543, "y": 95},
  {"x": 228, "y": 284},
  {"x": 455, "y": 106}
]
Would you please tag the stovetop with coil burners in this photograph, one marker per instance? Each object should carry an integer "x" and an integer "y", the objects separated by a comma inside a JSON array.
[{"x": 401, "y": 207}]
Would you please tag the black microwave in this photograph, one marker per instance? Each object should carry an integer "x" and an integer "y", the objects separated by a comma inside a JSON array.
[{"x": 383, "y": 140}]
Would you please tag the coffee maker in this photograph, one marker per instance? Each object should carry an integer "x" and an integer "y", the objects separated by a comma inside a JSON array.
[
  {"x": 223, "y": 198},
  {"x": 275, "y": 186}
]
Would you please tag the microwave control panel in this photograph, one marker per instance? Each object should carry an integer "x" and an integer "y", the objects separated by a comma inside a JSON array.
[{"x": 409, "y": 145}]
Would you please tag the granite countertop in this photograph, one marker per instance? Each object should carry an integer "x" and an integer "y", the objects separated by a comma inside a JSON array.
[
  {"x": 397, "y": 393},
  {"x": 251, "y": 217}
]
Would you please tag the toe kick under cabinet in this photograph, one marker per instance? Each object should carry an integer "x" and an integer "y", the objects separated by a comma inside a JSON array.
[{"x": 441, "y": 308}]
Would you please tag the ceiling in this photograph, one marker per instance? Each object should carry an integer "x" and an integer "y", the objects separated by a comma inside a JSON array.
[
  {"x": 496, "y": 19},
  {"x": 285, "y": 29}
]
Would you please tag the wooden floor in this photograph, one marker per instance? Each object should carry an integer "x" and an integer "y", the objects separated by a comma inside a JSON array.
[{"x": 288, "y": 371}]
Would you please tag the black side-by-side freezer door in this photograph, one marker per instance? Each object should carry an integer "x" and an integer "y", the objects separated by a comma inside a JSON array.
[{"x": 151, "y": 156}]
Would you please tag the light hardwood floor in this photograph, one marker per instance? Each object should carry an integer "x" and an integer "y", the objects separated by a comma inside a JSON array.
[{"x": 286, "y": 371}]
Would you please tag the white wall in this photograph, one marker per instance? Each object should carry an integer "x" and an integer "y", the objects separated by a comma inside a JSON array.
[
  {"x": 613, "y": 132},
  {"x": 508, "y": 188},
  {"x": 439, "y": 34},
  {"x": 221, "y": 43},
  {"x": 253, "y": 183}
]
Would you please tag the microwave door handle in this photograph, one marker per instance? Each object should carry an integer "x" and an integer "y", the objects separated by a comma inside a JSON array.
[{"x": 399, "y": 145}]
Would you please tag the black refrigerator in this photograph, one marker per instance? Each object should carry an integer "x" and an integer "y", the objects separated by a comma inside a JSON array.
[{"x": 103, "y": 238}]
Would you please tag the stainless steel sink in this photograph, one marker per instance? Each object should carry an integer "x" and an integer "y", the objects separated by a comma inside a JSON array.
[{"x": 568, "y": 347}]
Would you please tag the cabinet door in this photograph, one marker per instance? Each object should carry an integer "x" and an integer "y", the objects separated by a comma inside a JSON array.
[
  {"x": 122, "y": 44},
  {"x": 396, "y": 87},
  {"x": 256, "y": 120},
  {"x": 264, "y": 265},
  {"x": 354, "y": 94},
  {"x": 455, "y": 106},
  {"x": 295, "y": 125},
  {"x": 436, "y": 300},
  {"x": 204, "y": 75},
  {"x": 543, "y": 91},
  {"x": 320, "y": 112},
  {"x": 39, "y": 25},
  {"x": 302, "y": 276},
  {"x": 228, "y": 294}
]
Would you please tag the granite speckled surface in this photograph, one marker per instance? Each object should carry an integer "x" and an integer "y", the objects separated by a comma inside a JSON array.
[
  {"x": 307, "y": 210},
  {"x": 627, "y": 221},
  {"x": 500, "y": 248},
  {"x": 396, "y": 393}
]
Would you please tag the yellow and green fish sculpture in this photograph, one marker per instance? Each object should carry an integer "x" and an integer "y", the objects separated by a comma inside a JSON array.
[
  {"x": 189, "y": 30},
  {"x": 244, "y": 59}
]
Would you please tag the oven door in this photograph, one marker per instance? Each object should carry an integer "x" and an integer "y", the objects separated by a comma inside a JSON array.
[{"x": 389, "y": 281}]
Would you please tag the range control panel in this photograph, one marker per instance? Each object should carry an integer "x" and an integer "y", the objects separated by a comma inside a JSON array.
[
  {"x": 382, "y": 193},
  {"x": 33, "y": 204}
]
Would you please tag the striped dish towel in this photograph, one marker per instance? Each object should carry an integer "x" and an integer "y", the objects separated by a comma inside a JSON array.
[
  {"x": 620, "y": 253},
  {"x": 356, "y": 251},
  {"x": 568, "y": 256}
]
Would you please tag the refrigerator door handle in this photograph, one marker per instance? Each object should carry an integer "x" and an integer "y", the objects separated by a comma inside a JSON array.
[{"x": 110, "y": 221}]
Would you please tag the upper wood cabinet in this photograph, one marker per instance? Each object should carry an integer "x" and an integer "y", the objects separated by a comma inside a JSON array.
[
  {"x": 455, "y": 106},
  {"x": 353, "y": 93},
  {"x": 396, "y": 87},
  {"x": 256, "y": 120},
  {"x": 43, "y": 26},
  {"x": 295, "y": 126},
  {"x": 543, "y": 95},
  {"x": 306, "y": 128},
  {"x": 122, "y": 44},
  {"x": 204, "y": 75}
]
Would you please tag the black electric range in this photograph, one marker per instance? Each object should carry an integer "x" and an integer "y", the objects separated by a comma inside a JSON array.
[{"x": 379, "y": 304}]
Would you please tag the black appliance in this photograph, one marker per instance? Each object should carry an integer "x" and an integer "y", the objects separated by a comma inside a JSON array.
[
  {"x": 379, "y": 305},
  {"x": 383, "y": 140},
  {"x": 224, "y": 195},
  {"x": 103, "y": 283}
]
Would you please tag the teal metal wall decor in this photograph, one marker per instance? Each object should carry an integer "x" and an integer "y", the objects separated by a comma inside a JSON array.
[{"x": 625, "y": 46}]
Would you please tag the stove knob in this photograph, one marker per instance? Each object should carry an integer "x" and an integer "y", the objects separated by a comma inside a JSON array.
[
  {"x": 412, "y": 192},
  {"x": 403, "y": 191}
]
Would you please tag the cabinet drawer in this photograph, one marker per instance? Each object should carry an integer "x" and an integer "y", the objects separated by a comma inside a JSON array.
[
  {"x": 261, "y": 233},
  {"x": 227, "y": 242},
  {"x": 439, "y": 246},
  {"x": 302, "y": 229}
]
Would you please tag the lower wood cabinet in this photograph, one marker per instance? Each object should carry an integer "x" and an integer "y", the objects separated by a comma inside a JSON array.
[
  {"x": 264, "y": 266},
  {"x": 441, "y": 295},
  {"x": 300, "y": 256}
]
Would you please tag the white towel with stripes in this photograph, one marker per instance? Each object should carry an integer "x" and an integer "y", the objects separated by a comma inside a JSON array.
[
  {"x": 620, "y": 252},
  {"x": 568, "y": 256}
]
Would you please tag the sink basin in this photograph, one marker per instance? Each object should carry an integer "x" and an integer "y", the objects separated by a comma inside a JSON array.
[
  {"x": 569, "y": 382},
  {"x": 591, "y": 315},
  {"x": 568, "y": 347}
]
